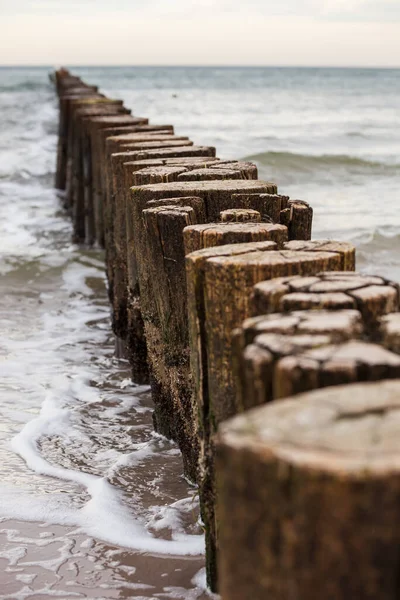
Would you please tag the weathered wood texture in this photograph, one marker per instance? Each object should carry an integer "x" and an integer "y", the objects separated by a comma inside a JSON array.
[
  {"x": 240, "y": 215},
  {"x": 389, "y": 332},
  {"x": 219, "y": 299},
  {"x": 309, "y": 490},
  {"x": 269, "y": 205},
  {"x": 111, "y": 212},
  {"x": 78, "y": 154},
  {"x": 156, "y": 269},
  {"x": 373, "y": 296},
  {"x": 63, "y": 129},
  {"x": 284, "y": 356},
  {"x": 92, "y": 160},
  {"x": 98, "y": 129},
  {"x": 129, "y": 324},
  {"x": 114, "y": 173},
  {"x": 101, "y": 139},
  {"x": 185, "y": 200},
  {"x": 116, "y": 238},
  {"x": 208, "y": 235}
]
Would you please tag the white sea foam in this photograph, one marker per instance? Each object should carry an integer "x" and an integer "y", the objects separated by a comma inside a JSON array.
[{"x": 104, "y": 516}]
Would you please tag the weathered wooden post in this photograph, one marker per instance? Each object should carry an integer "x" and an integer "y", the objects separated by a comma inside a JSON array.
[
  {"x": 116, "y": 156},
  {"x": 210, "y": 235},
  {"x": 389, "y": 332},
  {"x": 63, "y": 127},
  {"x": 284, "y": 354},
  {"x": 308, "y": 488},
  {"x": 219, "y": 297},
  {"x": 92, "y": 165},
  {"x": 167, "y": 329},
  {"x": 123, "y": 291},
  {"x": 373, "y": 296},
  {"x": 80, "y": 109},
  {"x": 101, "y": 137},
  {"x": 174, "y": 389}
]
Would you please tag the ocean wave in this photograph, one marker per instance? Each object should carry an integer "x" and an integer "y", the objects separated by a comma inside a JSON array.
[
  {"x": 24, "y": 86},
  {"x": 380, "y": 239},
  {"x": 309, "y": 162},
  {"x": 378, "y": 252},
  {"x": 356, "y": 134}
]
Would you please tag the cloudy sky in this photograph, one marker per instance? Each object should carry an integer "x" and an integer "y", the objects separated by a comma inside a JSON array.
[{"x": 201, "y": 32}]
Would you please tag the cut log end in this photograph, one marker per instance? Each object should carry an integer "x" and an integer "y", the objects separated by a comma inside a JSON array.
[{"x": 312, "y": 486}]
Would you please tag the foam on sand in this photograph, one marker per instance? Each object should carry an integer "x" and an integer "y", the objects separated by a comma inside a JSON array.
[{"x": 104, "y": 516}]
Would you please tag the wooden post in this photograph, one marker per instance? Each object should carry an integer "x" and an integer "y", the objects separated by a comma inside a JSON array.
[
  {"x": 78, "y": 156},
  {"x": 345, "y": 249},
  {"x": 189, "y": 162},
  {"x": 268, "y": 205},
  {"x": 115, "y": 219},
  {"x": 226, "y": 286},
  {"x": 308, "y": 492},
  {"x": 240, "y": 215},
  {"x": 300, "y": 220},
  {"x": 117, "y": 260},
  {"x": 63, "y": 127},
  {"x": 133, "y": 331},
  {"x": 132, "y": 156},
  {"x": 101, "y": 139},
  {"x": 166, "y": 330},
  {"x": 263, "y": 341},
  {"x": 372, "y": 296},
  {"x": 220, "y": 234},
  {"x": 238, "y": 171},
  {"x": 93, "y": 166},
  {"x": 389, "y": 332},
  {"x": 248, "y": 169},
  {"x": 168, "y": 391}
]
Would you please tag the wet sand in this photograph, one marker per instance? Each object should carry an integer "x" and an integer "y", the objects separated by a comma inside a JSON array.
[
  {"x": 86, "y": 486},
  {"x": 40, "y": 561}
]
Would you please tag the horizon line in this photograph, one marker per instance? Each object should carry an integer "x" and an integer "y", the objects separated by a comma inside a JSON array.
[{"x": 199, "y": 66}]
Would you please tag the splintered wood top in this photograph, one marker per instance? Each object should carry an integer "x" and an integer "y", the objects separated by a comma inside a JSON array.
[{"x": 193, "y": 187}]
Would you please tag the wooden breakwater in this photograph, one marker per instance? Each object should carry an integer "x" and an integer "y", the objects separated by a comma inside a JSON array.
[{"x": 222, "y": 302}]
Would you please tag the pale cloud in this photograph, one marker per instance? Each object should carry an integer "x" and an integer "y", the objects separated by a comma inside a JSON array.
[
  {"x": 258, "y": 32},
  {"x": 318, "y": 9}
]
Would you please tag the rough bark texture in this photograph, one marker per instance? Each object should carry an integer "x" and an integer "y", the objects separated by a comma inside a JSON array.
[
  {"x": 300, "y": 220},
  {"x": 226, "y": 287},
  {"x": 100, "y": 142},
  {"x": 308, "y": 494},
  {"x": 92, "y": 181},
  {"x": 79, "y": 158},
  {"x": 269, "y": 205},
  {"x": 219, "y": 234},
  {"x": 240, "y": 215},
  {"x": 63, "y": 128},
  {"x": 183, "y": 153},
  {"x": 164, "y": 311}
]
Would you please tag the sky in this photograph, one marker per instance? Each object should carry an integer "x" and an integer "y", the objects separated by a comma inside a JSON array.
[{"x": 200, "y": 32}]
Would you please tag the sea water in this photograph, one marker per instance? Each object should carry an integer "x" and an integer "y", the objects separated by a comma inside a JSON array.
[{"x": 92, "y": 503}]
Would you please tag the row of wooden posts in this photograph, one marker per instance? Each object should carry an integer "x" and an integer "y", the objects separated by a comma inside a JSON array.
[{"x": 223, "y": 303}]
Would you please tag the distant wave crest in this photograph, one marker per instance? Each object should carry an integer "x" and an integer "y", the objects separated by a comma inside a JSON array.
[
  {"x": 25, "y": 86},
  {"x": 308, "y": 162}
]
